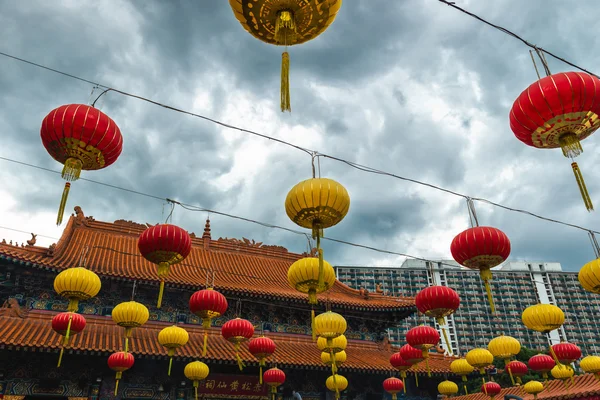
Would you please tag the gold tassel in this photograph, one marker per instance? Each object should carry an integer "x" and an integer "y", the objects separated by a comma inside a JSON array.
[
  {"x": 170, "y": 365},
  {"x": 62, "y": 349},
  {"x": 333, "y": 364},
  {"x": 73, "y": 305},
  {"x": 441, "y": 322},
  {"x": 570, "y": 145},
  {"x": 512, "y": 379},
  {"x": 403, "y": 376},
  {"x": 394, "y": 397},
  {"x": 582, "y": 188},
  {"x": 416, "y": 378},
  {"x": 484, "y": 388},
  {"x": 72, "y": 169},
  {"x": 285, "y": 82},
  {"x": 553, "y": 354},
  {"x": 127, "y": 336},
  {"x": 425, "y": 354},
  {"x": 240, "y": 363},
  {"x": 163, "y": 272},
  {"x": 205, "y": 344},
  {"x": 321, "y": 281},
  {"x": 117, "y": 378},
  {"x": 312, "y": 325},
  {"x": 68, "y": 333},
  {"x": 63, "y": 203},
  {"x": 261, "y": 374},
  {"x": 312, "y": 296},
  {"x": 486, "y": 276},
  {"x": 196, "y": 389},
  {"x": 466, "y": 390}
]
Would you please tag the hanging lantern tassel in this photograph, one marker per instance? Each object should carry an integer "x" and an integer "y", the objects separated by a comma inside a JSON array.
[
  {"x": 403, "y": 376},
  {"x": 464, "y": 379},
  {"x": 65, "y": 341},
  {"x": 512, "y": 379},
  {"x": 486, "y": 276},
  {"x": 442, "y": 322},
  {"x": 553, "y": 354},
  {"x": 273, "y": 392},
  {"x": 261, "y": 364},
  {"x": 312, "y": 325},
  {"x": 240, "y": 363},
  {"x": 127, "y": 336},
  {"x": 117, "y": 378},
  {"x": 196, "y": 389},
  {"x": 425, "y": 353},
  {"x": 206, "y": 325},
  {"x": 333, "y": 363},
  {"x": 163, "y": 271},
  {"x": 484, "y": 388},
  {"x": 416, "y": 379},
  {"x": 582, "y": 188},
  {"x": 171, "y": 353},
  {"x": 285, "y": 27},
  {"x": 285, "y": 82},
  {"x": 63, "y": 203}
]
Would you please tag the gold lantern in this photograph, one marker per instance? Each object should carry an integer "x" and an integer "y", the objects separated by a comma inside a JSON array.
[
  {"x": 480, "y": 359},
  {"x": 544, "y": 318},
  {"x": 564, "y": 373},
  {"x": 462, "y": 368},
  {"x": 534, "y": 388},
  {"x": 334, "y": 360},
  {"x": 336, "y": 383},
  {"x": 589, "y": 276},
  {"x": 333, "y": 347},
  {"x": 285, "y": 23},
  {"x": 129, "y": 315},
  {"x": 196, "y": 371},
  {"x": 591, "y": 365},
  {"x": 77, "y": 284},
  {"x": 505, "y": 347},
  {"x": 172, "y": 337},
  {"x": 447, "y": 388}
]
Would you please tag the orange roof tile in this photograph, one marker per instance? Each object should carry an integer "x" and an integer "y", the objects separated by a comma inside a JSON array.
[
  {"x": 240, "y": 266},
  {"x": 583, "y": 386},
  {"x": 102, "y": 335}
]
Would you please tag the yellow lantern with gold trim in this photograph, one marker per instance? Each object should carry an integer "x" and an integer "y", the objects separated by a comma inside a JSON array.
[
  {"x": 505, "y": 347},
  {"x": 129, "y": 315},
  {"x": 77, "y": 284},
  {"x": 285, "y": 23},
  {"x": 589, "y": 276},
  {"x": 544, "y": 318},
  {"x": 334, "y": 360},
  {"x": 172, "y": 337},
  {"x": 480, "y": 359},
  {"x": 591, "y": 365},
  {"x": 462, "y": 368},
  {"x": 196, "y": 371},
  {"x": 447, "y": 388},
  {"x": 336, "y": 383},
  {"x": 563, "y": 373},
  {"x": 534, "y": 388}
]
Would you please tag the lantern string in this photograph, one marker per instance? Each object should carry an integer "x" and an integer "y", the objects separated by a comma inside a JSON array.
[
  {"x": 133, "y": 290},
  {"x": 313, "y": 156},
  {"x": 472, "y": 213},
  {"x": 534, "y": 64},
  {"x": 595, "y": 245}
]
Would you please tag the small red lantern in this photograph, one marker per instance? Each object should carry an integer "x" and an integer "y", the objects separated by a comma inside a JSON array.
[
  {"x": 165, "y": 245},
  {"x": 274, "y": 377},
  {"x": 423, "y": 337},
  {"x": 541, "y": 363},
  {"x": 237, "y": 331},
  {"x": 559, "y": 110},
  {"x": 491, "y": 389},
  {"x": 438, "y": 302},
  {"x": 207, "y": 304},
  {"x": 566, "y": 353},
  {"x": 401, "y": 365},
  {"x": 67, "y": 324},
  {"x": 517, "y": 369},
  {"x": 80, "y": 137},
  {"x": 411, "y": 356},
  {"x": 481, "y": 248},
  {"x": 393, "y": 386},
  {"x": 261, "y": 348},
  {"x": 120, "y": 362}
]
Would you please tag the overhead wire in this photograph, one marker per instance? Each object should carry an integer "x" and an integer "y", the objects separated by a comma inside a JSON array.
[{"x": 311, "y": 152}]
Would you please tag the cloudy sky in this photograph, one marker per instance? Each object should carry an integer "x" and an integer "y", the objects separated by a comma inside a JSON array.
[{"x": 412, "y": 87}]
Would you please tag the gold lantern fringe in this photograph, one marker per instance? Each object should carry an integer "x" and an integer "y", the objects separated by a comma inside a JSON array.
[
  {"x": 240, "y": 363},
  {"x": 206, "y": 325},
  {"x": 416, "y": 379},
  {"x": 486, "y": 276},
  {"x": 171, "y": 353},
  {"x": 570, "y": 145},
  {"x": 582, "y": 188},
  {"x": 71, "y": 172},
  {"x": 163, "y": 271},
  {"x": 117, "y": 378},
  {"x": 285, "y": 29},
  {"x": 285, "y": 82},
  {"x": 196, "y": 389},
  {"x": 63, "y": 203},
  {"x": 312, "y": 324}
]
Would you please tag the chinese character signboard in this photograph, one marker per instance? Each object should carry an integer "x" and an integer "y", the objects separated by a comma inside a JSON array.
[{"x": 232, "y": 387}]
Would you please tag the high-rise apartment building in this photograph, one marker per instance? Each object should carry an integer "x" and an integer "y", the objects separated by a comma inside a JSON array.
[{"x": 516, "y": 285}]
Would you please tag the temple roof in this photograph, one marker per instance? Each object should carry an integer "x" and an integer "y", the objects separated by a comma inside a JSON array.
[
  {"x": 240, "y": 266},
  {"x": 102, "y": 335},
  {"x": 584, "y": 386}
]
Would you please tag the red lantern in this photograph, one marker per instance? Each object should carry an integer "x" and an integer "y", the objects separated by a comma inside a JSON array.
[
  {"x": 491, "y": 389},
  {"x": 423, "y": 337},
  {"x": 207, "y": 304},
  {"x": 559, "y": 110},
  {"x": 237, "y": 331},
  {"x": 274, "y": 377},
  {"x": 67, "y": 324},
  {"x": 393, "y": 386},
  {"x": 541, "y": 363},
  {"x": 401, "y": 365},
  {"x": 261, "y": 348},
  {"x": 411, "y": 356},
  {"x": 517, "y": 369},
  {"x": 438, "y": 302},
  {"x": 566, "y": 353},
  {"x": 81, "y": 138},
  {"x": 481, "y": 248},
  {"x": 165, "y": 245},
  {"x": 120, "y": 362}
]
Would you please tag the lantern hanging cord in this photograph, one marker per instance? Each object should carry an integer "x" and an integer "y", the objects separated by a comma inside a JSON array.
[{"x": 595, "y": 244}]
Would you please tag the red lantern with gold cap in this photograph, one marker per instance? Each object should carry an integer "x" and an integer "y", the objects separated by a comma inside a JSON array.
[
  {"x": 274, "y": 377},
  {"x": 411, "y": 356},
  {"x": 423, "y": 337},
  {"x": 261, "y": 348},
  {"x": 401, "y": 365},
  {"x": 481, "y": 248},
  {"x": 120, "y": 362},
  {"x": 80, "y": 137},
  {"x": 559, "y": 110},
  {"x": 567, "y": 353},
  {"x": 207, "y": 304},
  {"x": 542, "y": 364},
  {"x": 67, "y": 324},
  {"x": 517, "y": 369},
  {"x": 438, "y": 302},
  {"x": 165, "y": 245},
  {"x": 491, "y": 389},
  {"x": 393, "y": 386},
  {"x": 237, "y": 331}
]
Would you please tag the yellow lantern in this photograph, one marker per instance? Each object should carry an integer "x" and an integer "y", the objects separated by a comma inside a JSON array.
[
  {"x": 330, "y": 325},
  {"x": 196, "y": 371},
  {"x": 534, "y": 388},
  {"x": 462, "y": 368},
  {"x": 172, "y": 337},
  {"x": 334, "y": 360},
  {"x": 589, "y": 276},
  {"x": 77, "y": 284},
  {"x": 505, "y": 347},
  {"x": 591, "y": 365},
  {"x": 285, "y": 23},
  {"x": 544, "y": 318},
  {"x": 337, "y": 344},
  {"x": 563, "y": 372},
  {"x": 336, "y": 383},
  {"x": 447, "y": 388},
  {"x": 317, "y": 204},
  {"x": 129, "y": 315},
  {"x": 480, "y": 359}
]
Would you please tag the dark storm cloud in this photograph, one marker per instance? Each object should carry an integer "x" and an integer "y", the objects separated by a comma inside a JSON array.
[{"x": 368, "y": 87}]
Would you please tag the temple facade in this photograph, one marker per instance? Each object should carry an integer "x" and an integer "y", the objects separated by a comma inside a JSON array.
[{"x": 252, "y": 276}]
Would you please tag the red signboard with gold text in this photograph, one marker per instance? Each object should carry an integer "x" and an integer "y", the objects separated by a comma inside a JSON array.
[{"x": 232, "y": 387}]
